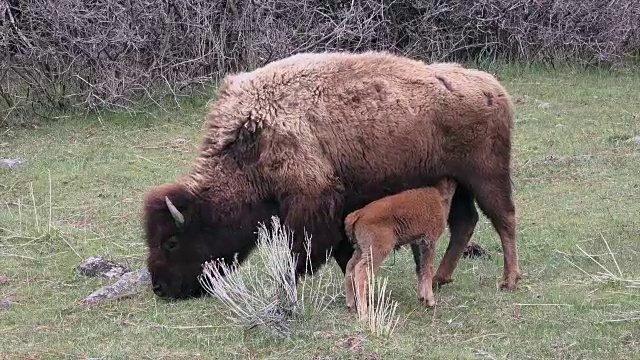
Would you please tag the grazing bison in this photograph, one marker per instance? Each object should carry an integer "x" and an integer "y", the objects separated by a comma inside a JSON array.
[
  {"x": 313, "y": 137},
  {"x": 417, "y": 217}
]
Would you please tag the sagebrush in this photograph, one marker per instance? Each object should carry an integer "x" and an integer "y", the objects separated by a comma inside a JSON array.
[{"x": 265, "y": 293}]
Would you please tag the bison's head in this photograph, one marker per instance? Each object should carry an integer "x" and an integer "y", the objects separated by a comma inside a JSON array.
[{"x": 182, "y": 232}]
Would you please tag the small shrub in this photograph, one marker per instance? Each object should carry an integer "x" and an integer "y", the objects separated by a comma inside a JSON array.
[{"x": 264, "y": 293}]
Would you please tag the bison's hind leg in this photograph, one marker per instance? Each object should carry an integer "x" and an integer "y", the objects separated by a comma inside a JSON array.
[
  {"x": 462, "y": 220},
  {"x": 495, "y": 199}
]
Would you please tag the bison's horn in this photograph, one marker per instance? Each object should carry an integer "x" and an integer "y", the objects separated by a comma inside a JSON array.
[{"x": 177, "y": 216}]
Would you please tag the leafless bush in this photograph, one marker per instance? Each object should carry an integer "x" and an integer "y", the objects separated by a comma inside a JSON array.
[{"x": 121, "y": 54}]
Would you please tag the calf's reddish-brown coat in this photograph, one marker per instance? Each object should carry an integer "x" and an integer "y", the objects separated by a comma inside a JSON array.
[
  {"x": 417, "y": 217},
  {"x": 311, "y": 138}
]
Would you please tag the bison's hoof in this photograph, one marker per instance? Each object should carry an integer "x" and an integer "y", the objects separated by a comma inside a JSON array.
[{"x": 509, "y": 283}]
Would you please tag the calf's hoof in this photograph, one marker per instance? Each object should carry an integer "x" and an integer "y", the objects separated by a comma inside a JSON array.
[
  {"x": 430, "y": 302},
  {"x": 351, "y": 309}
]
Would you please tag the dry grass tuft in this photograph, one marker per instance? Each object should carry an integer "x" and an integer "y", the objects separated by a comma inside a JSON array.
[
  {"x": 606, "y": 276},
  {"x": 380, "y": 316}
]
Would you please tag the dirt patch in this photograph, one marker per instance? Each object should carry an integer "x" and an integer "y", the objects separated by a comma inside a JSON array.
[
  {"x": 632, "y": 341},
  {"x": 322, "y": 357},
  {"x": 474, "y": 250},
  {"x": 352, "y": 343}
]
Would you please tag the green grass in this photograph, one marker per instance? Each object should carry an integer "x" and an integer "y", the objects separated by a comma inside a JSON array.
[{"x": 99, "y": 172}]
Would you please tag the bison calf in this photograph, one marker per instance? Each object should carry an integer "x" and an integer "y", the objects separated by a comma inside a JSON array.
[{"x": 417, "y": 217}]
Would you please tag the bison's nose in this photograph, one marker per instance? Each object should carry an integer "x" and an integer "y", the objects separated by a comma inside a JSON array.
[{"x": 157, "y": 289}]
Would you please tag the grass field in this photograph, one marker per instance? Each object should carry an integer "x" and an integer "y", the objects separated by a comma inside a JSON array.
[{"x": 576, "y": 179}]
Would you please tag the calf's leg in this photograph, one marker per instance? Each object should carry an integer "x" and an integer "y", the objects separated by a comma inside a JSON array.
[
  {"x": 349, "y": 280},
  {"x": 425, "y": 282},
  {"x": 376, "y": 245}
]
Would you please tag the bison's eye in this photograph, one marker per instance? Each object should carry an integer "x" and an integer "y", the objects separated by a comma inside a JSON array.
[{"x": 170, "y": 244}]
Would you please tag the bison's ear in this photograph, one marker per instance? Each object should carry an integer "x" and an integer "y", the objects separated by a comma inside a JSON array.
[
  {"x": 170, "y": 202},
  {"x": 251, "y": 126}
]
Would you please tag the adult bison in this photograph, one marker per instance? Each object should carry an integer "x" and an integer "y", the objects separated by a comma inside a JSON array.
[{"x": 315, "y": 136}]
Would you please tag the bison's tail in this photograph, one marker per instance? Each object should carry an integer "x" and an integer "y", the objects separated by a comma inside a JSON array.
[{"x": 350, "y": 225}]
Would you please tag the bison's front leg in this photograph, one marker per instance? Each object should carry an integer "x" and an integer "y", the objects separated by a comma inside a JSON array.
[
  {"x": 343, "y": 252},
  {"x": 316, "y": 231}
]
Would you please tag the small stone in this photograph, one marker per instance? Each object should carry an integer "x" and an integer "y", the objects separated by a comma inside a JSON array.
[
  {"x": 3, "y": 280},
  {"x": 551, "y": 158},
  {"x": 483, "y": 354},
  {"x": 98, "y": 266},
  {"x": 6, "y": 303},
  {"x": 635, "y": 140},
  {"x": 181, "y": 141},
  {"x": 544, "y": 106},
  {"x": 10, "y": 162}
]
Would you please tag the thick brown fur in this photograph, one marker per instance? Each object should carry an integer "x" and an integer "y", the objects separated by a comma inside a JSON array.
[
  {"x": 417, "y": 217},
  {"x": 313, "y": 137}
]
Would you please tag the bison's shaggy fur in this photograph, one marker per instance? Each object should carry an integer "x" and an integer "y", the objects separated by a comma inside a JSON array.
[
  {"x": 313, "y": 137},
  {"x": 417, "y": 217}
]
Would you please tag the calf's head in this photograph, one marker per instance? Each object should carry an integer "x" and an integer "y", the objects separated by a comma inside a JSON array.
[{"x": 182, "y": 232}]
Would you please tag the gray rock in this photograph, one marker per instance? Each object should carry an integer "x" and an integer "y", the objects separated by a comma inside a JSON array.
[
  {"x": 127, "y": 285},
  {"x": 6, "y": 303},
  {"x": 10, "y": 162},
  {"x": 635, "y": 140},
  {"x": 98, "y": 266}
]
